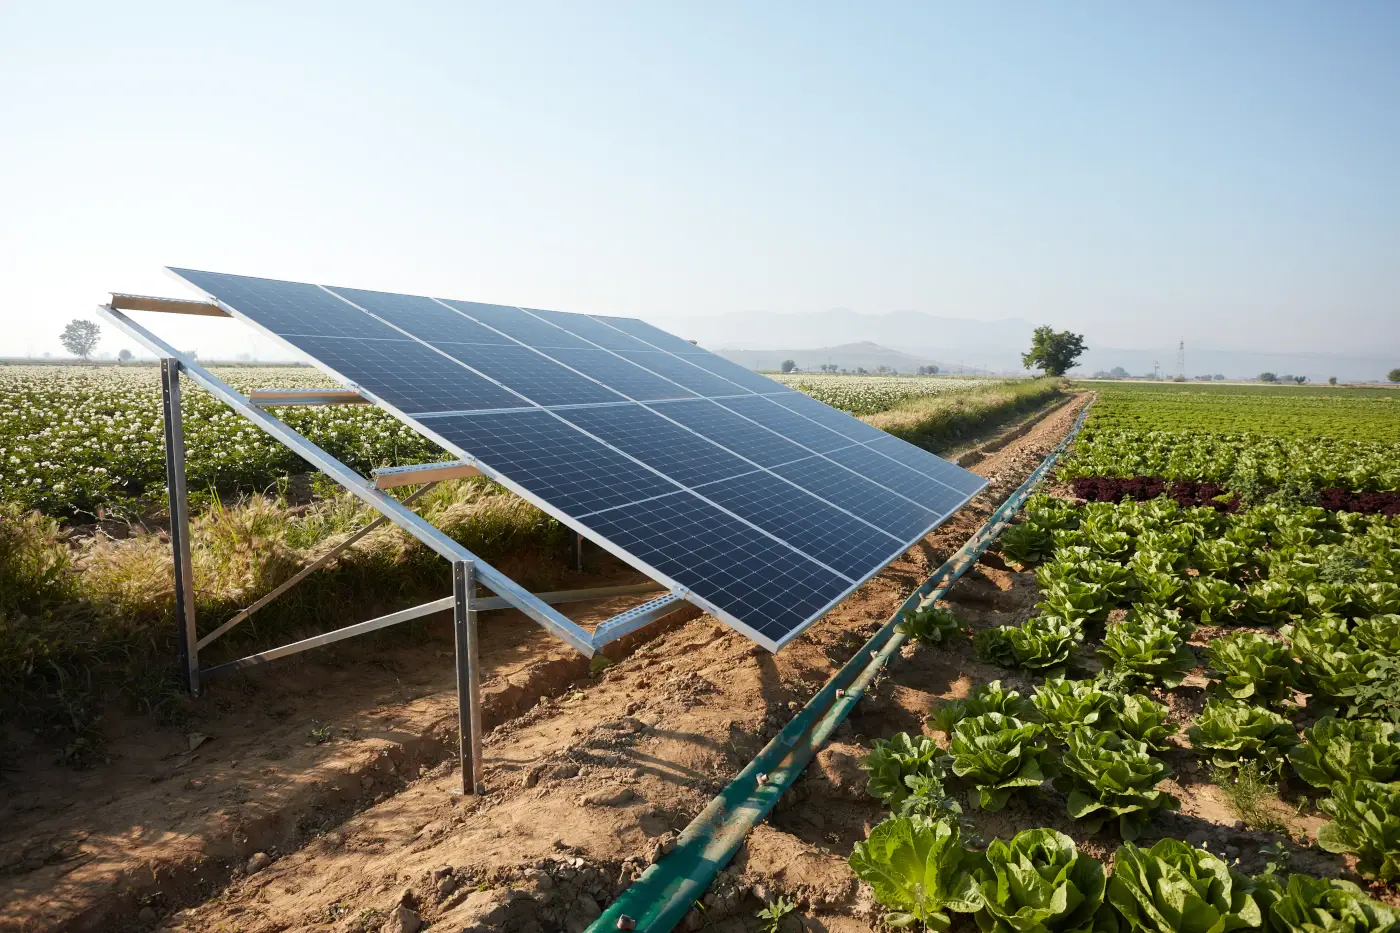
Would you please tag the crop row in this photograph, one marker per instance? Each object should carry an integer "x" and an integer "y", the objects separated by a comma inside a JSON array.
[
  {"x": 1329, "y": 582},
  {"x": 866, "y": 395}
]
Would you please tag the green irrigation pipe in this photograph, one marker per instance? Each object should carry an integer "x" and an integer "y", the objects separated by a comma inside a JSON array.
[{"x": 662, "y": 896}]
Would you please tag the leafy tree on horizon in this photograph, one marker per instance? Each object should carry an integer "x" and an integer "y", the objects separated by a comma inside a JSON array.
[
  {"x": 124, "y": 356},
  {"x": 1053, "y": 352},
  {"x": 789, "y": 366},
  {"x": 1268, "y": 377},
  {"x": 1393, "y": 375},
  {"x": 80, "y": 338}
]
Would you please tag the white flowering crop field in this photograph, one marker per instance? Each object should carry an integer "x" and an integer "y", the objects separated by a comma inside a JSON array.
[
  {"x": 865, "y": 395},
  {"x": 74, "y": 439}
]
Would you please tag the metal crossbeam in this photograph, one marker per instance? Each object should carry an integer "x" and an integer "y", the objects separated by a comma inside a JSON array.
[
  {"x": 307, "y": 397},
  {"x": 625, "y": 623},
  {"x": 167, "y": 305},
  {"x": 393, "y": 477}
]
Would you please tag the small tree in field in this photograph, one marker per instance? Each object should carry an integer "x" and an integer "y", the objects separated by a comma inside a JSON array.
[
  {"x": 1268, "y": 377},
  {"x": 1394, "y": 375},
  {"x": 789, "y": 366},
  {"x": 1331, "y": 380},
  {"x": 1053, "y": 352},
  {"x": 80, "y": 338},
  {"x": 124, "y": 356}
]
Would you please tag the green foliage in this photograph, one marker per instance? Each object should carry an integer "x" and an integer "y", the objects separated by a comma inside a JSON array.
[
  {"x": 1366, "y": 823},
  {"x": 1108, "y": 776},
  {"x": 1342, "y": 751},
  {"x": 1142, "y": 718},
  {"x": 772, "y": 914},
  {"x": 892, "y": 761},
  {"x": 1231, "y": 732},
  {"x": 1304, "y": 904},
  {"x": 35, "y": 566},
  {"x": 1064, "y": 705},
  {"x": 1038, "y": 882},
  {"x": 1174, "y": 888},
  {"x": 80, "y": 337},
  {"x": 997, "y": 754},
  {"x": 932, "y": 625},
  {"x": 1147, "y": 651},
  {"x": 1053, "y": 351},
  {"x": 1026, "y": 544},
  {"x": 1252, "y": 790},
  {"x": 1043, "y": 643},
  {"x": 1253, "y": 667},
  {"x": 927, "y": 797},
  {"x": 986, "y": 698},
  {"x": 1216, "y": 601},
  {"x": 918, "y": 870}
]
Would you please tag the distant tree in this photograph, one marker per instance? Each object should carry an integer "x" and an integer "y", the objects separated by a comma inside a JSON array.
[
  {"x": 80, "y": 337},
  {"x": 789, "y": 366},
  {"x": 1393, "y": 375},
  {"x": 1331, "y": 380},
  {"x": 1268, "y": 377},
  {"x": 862, "y": 371},
  {"x": 124, "y": 356},
  {"x": 1178, "y": 378},
  {"x": 1053, "y": 352},
  {"x": 1219, "y": 377},
  {"x": 1300, "y": 379},
  {"x": 1118, "y": 372}
]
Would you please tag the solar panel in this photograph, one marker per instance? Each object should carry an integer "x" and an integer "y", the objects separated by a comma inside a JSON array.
[{"x": 752, "y": 500}]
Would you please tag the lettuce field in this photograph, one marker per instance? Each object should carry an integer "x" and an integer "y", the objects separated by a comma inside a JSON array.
[
  {"x": 1206, "y": 686},
  {"x": 866, "y": 395}
]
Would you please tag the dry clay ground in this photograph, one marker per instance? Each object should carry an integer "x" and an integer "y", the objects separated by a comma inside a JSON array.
[{"x": 330, "y": 777}]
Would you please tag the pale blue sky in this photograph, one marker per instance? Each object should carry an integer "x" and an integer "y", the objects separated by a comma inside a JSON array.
[{"x": 1224, "y": 172}]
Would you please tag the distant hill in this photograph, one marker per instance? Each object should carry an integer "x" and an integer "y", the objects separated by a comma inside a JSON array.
[
  {"x": 846, "y": 355},
  {"x": 763, "y": 339}
]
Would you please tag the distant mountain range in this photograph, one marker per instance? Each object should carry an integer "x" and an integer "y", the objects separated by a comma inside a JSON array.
[{"x": 763, "y": 339}]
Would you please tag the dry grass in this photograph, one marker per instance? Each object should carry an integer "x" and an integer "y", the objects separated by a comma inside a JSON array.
[
  {"x": 939, "y": 421},
  {"x": 76, "y": 623}
]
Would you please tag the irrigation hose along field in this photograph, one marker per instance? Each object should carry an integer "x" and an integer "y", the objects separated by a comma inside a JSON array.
[{"x": 662, "y": 896}]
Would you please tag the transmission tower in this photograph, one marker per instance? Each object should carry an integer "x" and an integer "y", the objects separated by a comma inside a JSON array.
[{"x": 1181, "y": 359}]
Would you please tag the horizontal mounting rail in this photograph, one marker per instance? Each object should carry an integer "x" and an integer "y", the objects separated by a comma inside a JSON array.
[
  {"x": 419, "y": 473},
  {"x": 167, "y": 305},
  {"x": 307, "y": 397},
  {"x": 574, "y": 596},
  {"x": 625, "y": 623},
  {"x": 556, "y": 623}
]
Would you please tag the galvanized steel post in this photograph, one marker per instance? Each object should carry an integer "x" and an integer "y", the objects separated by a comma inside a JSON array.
[
  {"x": 179, "y": 521},
  {"x": 468, "y": 677}
]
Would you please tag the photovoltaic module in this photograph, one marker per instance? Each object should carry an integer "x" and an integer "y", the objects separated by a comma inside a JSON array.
[{"x": 752, "y": 500}]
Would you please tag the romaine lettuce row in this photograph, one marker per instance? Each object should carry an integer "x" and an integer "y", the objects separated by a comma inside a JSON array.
[
  {"x": 1304, "y": 904},
  {"x": 891, "y": 761},
  {"x": 1142, "y": 718},
  {"x": 996, "y": 755},
  {"x": 1144, "y": 650},
  {"x": 918, "y": 870},
  {"x": 1107, "y": 776},
  {"x": 1231, "y": 732},
  {"x": 1038, "y": 882},
  {"x": 931, "y": 625},
  {"x": 987, "y": 698},
  {"x": 1366, "y": 823},
  {"x": 1043, "y": 643},
  {"x": 1063, "y": 705},
  {"x": 1342, "y": 751},
  {"x": 1253, "y": 667},
  {"x": 1175, "y": 888}
]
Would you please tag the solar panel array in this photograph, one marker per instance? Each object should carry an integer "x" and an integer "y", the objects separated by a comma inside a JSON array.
[{"x": 753, "y": 500}]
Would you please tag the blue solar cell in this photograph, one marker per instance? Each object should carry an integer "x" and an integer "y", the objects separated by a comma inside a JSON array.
[
  {"x": 537, "y": 377},
  {"x": 860, "y": 496},
  {"x": 682, "y": 455},
  {"x": 653, "y": 336},
  {"x": 760, "y": 583},
  {"x": 527, "y": 328},
  {"x": 620, "y": 374},
  {"x": 288, "y": 308},
  {"x": 689, "y": 375},
  {"x": 550, "y": 459},
  {"x": 777, "y": 418},
  {"x": 836, "y": 538},
  {"x": 723, "y": 426},
  {"x": 594, "y": 331},
  {"x": 407, "y": 375},
  {"x": 754, "y": 382},
  {"x": 937, "y": 497},
  {"x": 424, "y": 317},
  {"x": 766, "y": 504},
  {"x": 916, "y": 458},
  {"x": 828, "y": 417}
]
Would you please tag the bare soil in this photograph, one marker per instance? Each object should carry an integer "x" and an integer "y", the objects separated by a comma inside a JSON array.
[{"x": 316, "y": 794}]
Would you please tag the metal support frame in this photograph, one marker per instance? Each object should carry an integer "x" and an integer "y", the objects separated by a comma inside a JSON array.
[
  {"x": 576, "y": 558},
  {"x": 468, "y": 677},
  {"x": 468, "y": 570},
  {"x": 179, "y": 521}
]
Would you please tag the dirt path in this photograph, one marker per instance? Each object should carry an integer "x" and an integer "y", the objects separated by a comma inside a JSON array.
[{"x": 357, "y": 820}]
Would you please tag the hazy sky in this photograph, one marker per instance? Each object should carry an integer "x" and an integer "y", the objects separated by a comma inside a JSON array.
[{"x": 1140, "y": 172}]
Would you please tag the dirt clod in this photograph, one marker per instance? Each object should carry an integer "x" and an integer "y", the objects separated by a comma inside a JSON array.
[
  {"x": 402, "y": 920},
  {"x": 258, "y": 862}
]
